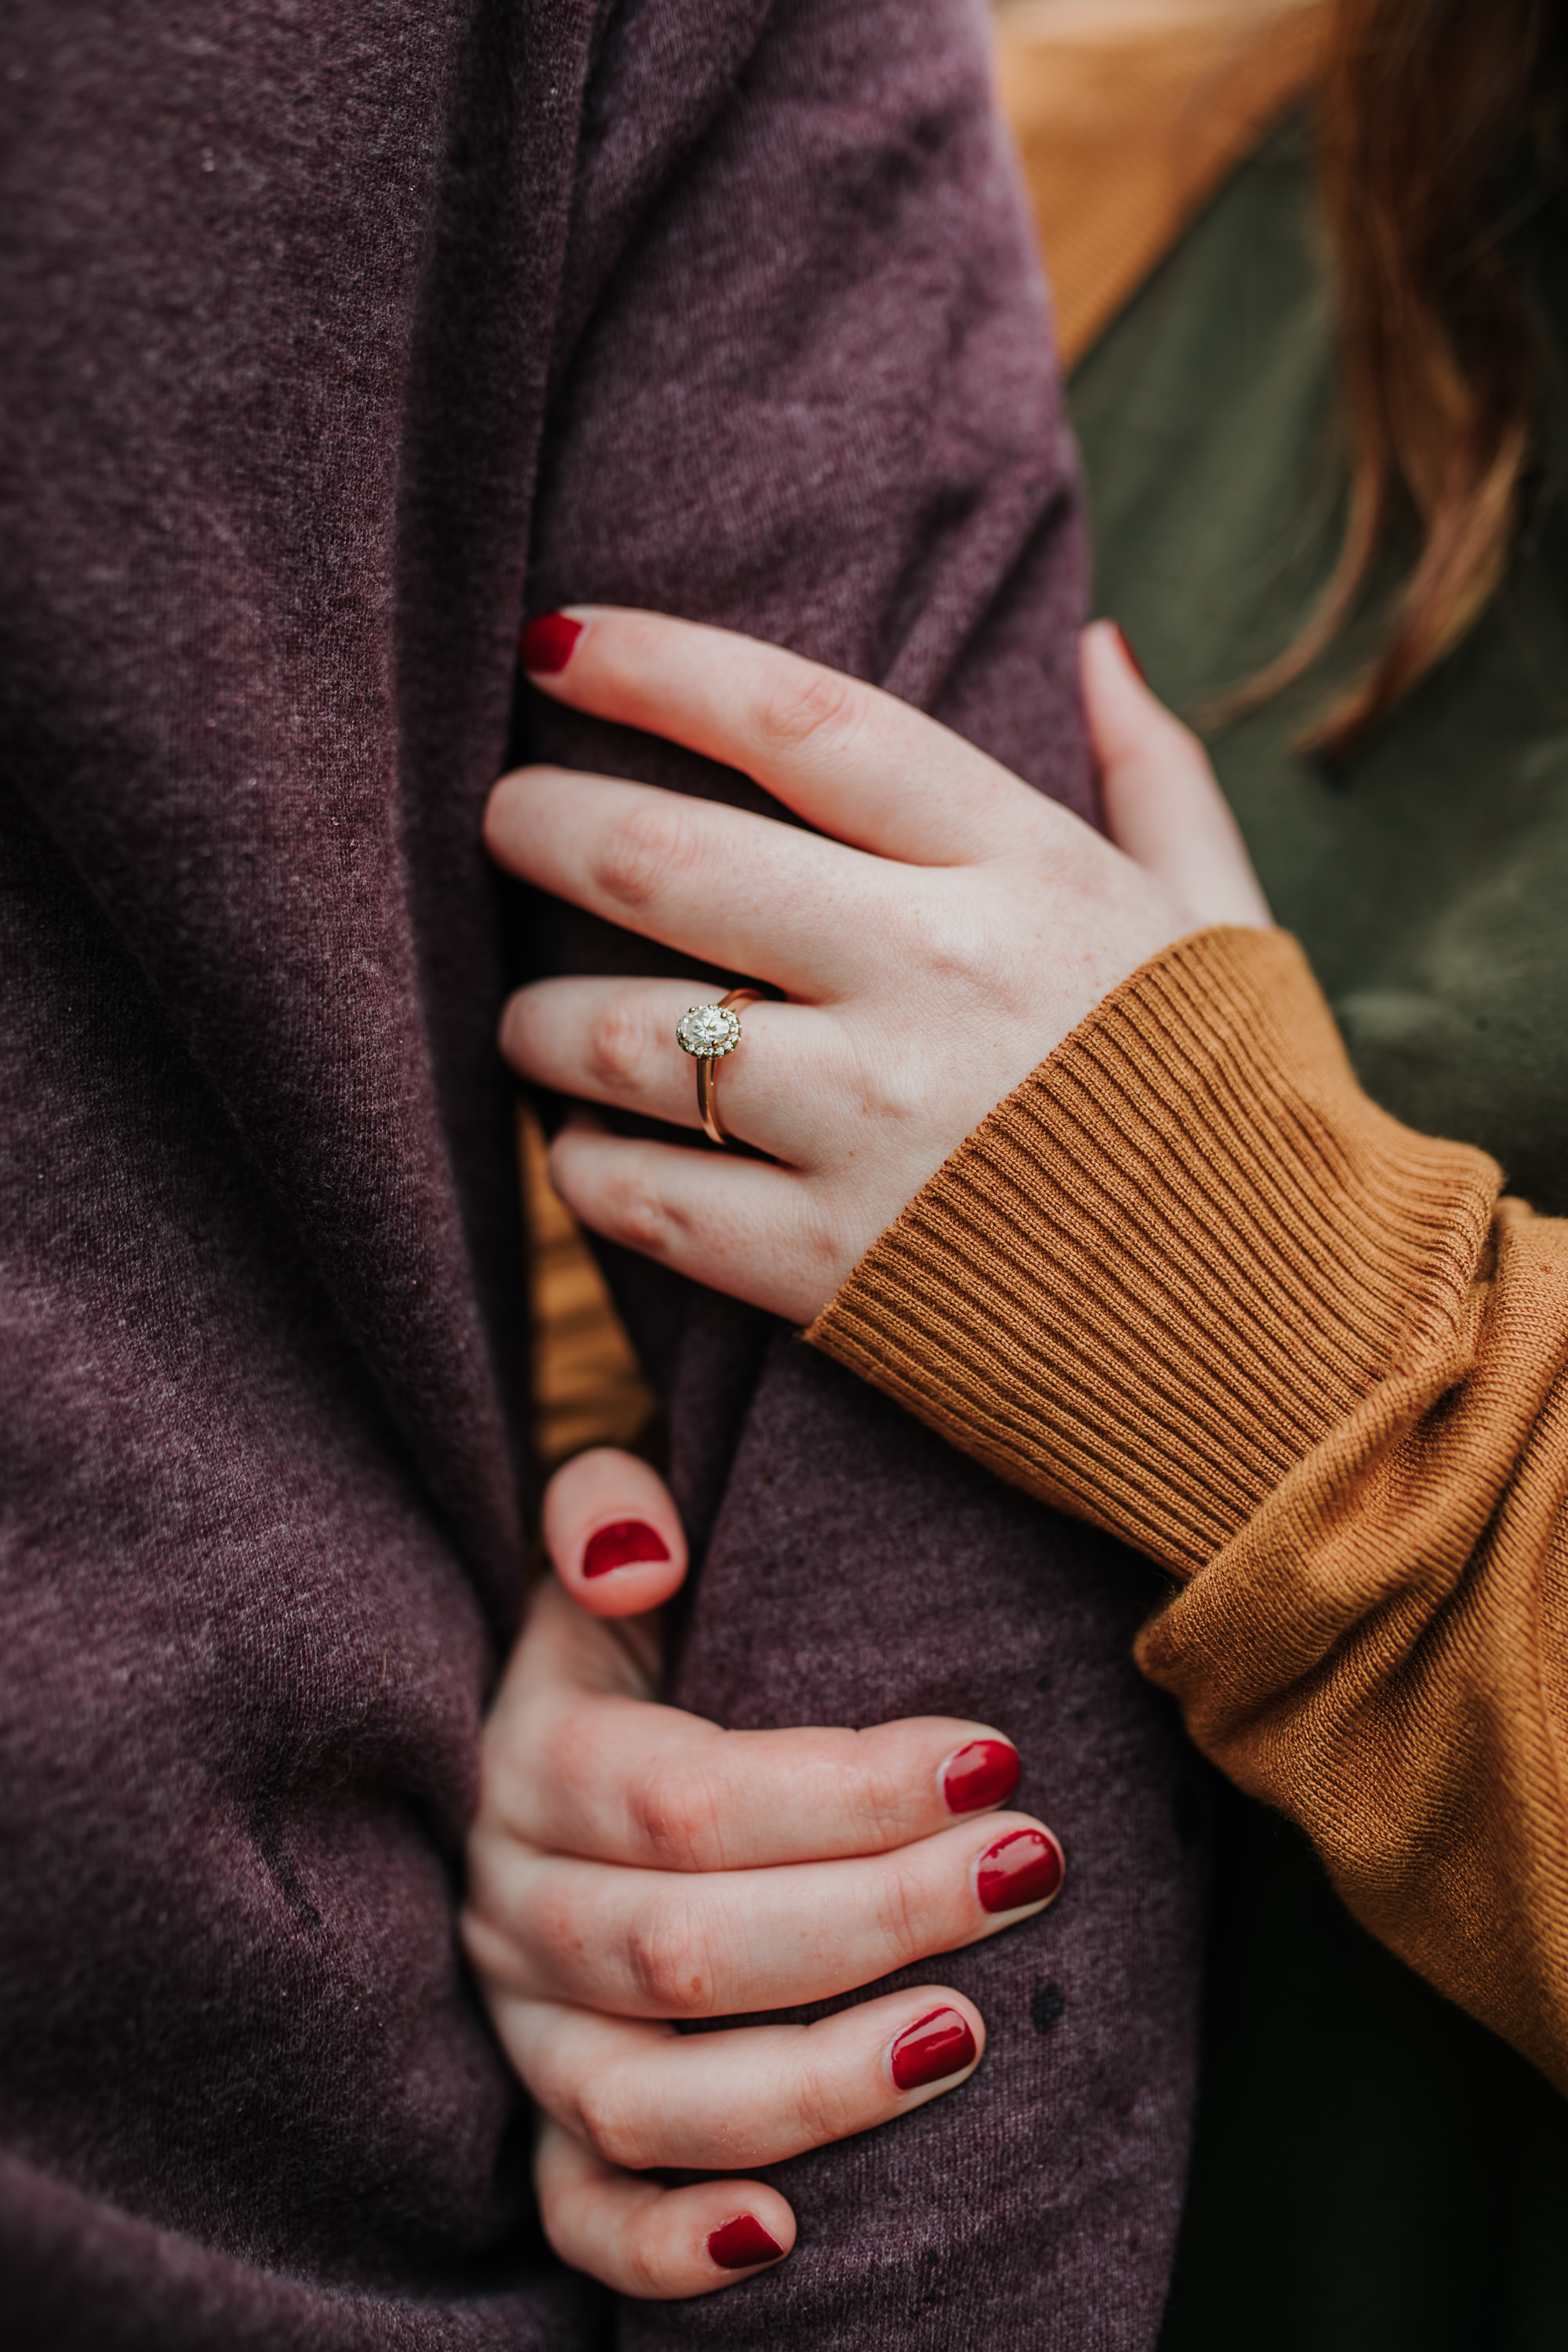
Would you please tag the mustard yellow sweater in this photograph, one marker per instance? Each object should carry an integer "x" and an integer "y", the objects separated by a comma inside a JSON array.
[{"x": 1190, "y": 1283}]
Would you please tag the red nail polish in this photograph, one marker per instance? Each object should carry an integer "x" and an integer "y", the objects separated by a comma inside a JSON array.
[
  {"x": 545, "y": 645},
  {"x": 1122, "y": 639},
  {"x": 984, "y": 1773},
  {"x": 622, "y": 1546},
  {"x": 1025, "y": 1866},
  {"x": 932, "y": 2048},
  {"x": 736, "y": 2245}
]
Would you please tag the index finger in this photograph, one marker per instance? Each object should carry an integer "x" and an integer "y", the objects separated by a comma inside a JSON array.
[
  {"x": 855, "y": 762},
  {"x": 574, "y": 1764}
]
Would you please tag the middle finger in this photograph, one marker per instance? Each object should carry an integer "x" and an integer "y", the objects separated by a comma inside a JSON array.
[
  {"x": 747, "y": 893},
  {"x": 647, "y": 1943}
]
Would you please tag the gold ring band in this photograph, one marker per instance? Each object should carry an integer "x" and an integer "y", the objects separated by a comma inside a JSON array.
[{"x": 707, "y": 1038}]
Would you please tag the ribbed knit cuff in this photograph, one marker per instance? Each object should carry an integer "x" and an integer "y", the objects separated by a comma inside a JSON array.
[{"x": 1164, "y": 1268}]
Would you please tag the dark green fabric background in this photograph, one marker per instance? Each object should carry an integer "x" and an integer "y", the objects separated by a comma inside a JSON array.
[{"x": 1372, "y": 2171}]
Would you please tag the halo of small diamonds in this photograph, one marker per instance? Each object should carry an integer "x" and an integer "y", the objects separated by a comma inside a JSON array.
[{"x": 708, "y": 1031}]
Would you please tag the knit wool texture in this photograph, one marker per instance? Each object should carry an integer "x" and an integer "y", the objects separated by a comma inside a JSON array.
[
  {"x": 1190, "y": 1281},
  {"x": 337, "y": 337}
]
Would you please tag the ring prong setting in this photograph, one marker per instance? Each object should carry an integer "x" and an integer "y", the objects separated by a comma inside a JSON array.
[{"x": 708, "y": 1031}]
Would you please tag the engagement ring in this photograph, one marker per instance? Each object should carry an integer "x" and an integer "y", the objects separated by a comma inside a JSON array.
[{"x": 708, "y": 1031}]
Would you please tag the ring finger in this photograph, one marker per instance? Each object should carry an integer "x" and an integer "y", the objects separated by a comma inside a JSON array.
[
  {"x": 642, "y": 2095},
  {"x": 612, "y": 1042}
]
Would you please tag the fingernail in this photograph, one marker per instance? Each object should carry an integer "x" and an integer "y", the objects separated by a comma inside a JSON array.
[
  {"x": 737, "y": 2245},
  {"x": 622, "y": 1546},
  {"x": 931, "y": 2049},
  {"x": 545, "y": 645},
  {"x": 1025, "y": 1866},
  {"x": 1121, "y": 638},
  {"x": 984, "y": 1773}
]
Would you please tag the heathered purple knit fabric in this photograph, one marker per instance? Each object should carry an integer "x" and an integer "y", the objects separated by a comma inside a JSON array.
[{"x": 317, "y": 318}]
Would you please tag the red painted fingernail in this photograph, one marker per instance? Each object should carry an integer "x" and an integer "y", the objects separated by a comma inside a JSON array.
[
  {"x": 984, "y": 1773},
  {"x": 931, "y": 2049},
  {"x": 1025, "y": 1866},
  {"x": 736, "y": 2245},
  {"x": 1121, "y": 638},
  {"x": 545, "y": 645},
  {"x": 622, "y": 1546}
]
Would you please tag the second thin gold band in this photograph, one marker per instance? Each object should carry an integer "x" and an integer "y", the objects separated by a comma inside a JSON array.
[{"x": 713, "y": 1126}]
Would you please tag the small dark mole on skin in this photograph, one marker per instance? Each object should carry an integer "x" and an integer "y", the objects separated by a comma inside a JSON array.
[
  {"x": 1047, "y": 2008},
  {"x": 1043, "y": 1686}
]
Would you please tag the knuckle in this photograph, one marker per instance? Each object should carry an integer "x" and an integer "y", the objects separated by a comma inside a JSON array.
[
  {"x": 554, "y": 1930},
  {"x": 613, "y": 2122},
  {"x": 678, "y": 1817},
  {"x": 644, "y": 847},
  {"x": 640, "y": 1218},
  {"x": 819, "y": 1243},
  {"x": 906, "y": 1918},
  {"x": 668, "y": 1958},
  {"x": 885, "y": 1805},
  {"x": 951, "y": 932},
  {"x": 618, "y": 1048},
  {"x": 966, "y": 949},
  {"x": 888, "y": 1087},
  {"x": 806, "y": 705},
  {"x": 823, "y": 2108}
]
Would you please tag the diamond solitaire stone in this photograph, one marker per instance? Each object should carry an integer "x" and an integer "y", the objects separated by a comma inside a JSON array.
[{"x": 707, "y": 1030}]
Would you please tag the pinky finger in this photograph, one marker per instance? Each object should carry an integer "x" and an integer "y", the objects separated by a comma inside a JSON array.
[
  {"x": 640, "y": 2239},
  {"x": 614, "y": 1534},
  {"x": 737, "y": 1225}
]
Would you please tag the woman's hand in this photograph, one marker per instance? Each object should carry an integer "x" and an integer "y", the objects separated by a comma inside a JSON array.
[
  {"x": 631, "y": 1866},
  {"x": 954, "y": 928}
]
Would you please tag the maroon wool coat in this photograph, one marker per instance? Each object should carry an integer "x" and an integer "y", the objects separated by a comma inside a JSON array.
[{"x": 335, "y": 334}]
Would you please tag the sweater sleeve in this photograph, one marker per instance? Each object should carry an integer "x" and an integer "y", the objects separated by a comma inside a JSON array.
[{"x": 1189, "y": 1282}]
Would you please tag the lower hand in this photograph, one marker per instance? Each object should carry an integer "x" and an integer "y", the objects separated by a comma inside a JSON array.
[
  {"x": 631, "y": 1866},
  {"x": 952, "y": 932}
]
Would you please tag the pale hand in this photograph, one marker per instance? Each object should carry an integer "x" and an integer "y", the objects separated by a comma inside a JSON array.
[
  {"x": 949, "y": 932},
  {"x": 631, "y": 1866}
]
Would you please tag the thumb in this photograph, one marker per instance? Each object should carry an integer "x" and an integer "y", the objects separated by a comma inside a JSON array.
[
  {"x": 1161, "y": 803},
  {"x": 612, "y": 1533}
]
